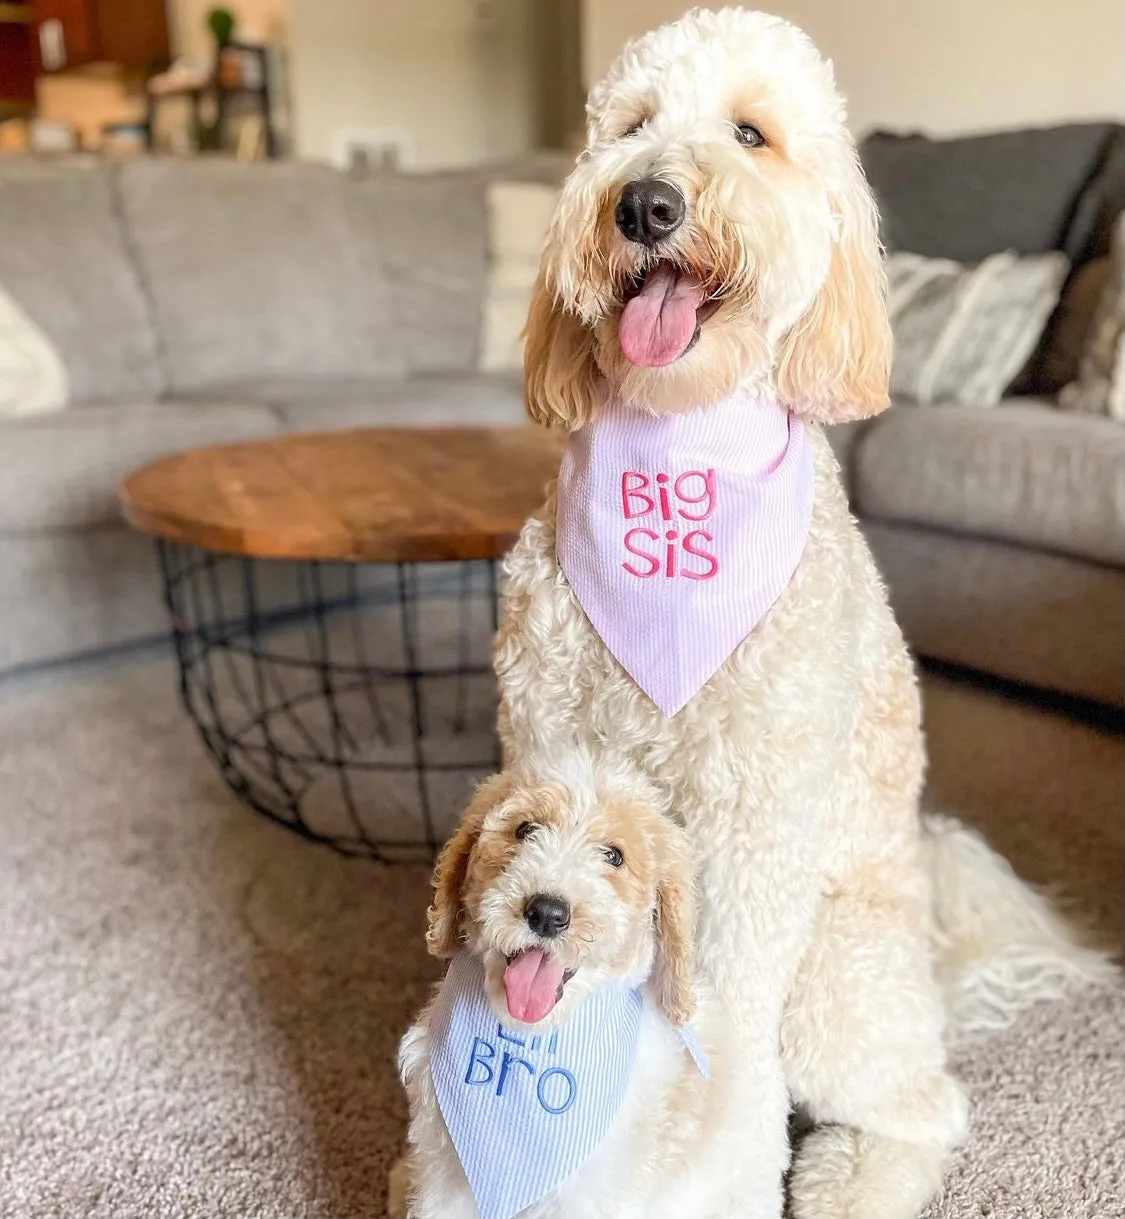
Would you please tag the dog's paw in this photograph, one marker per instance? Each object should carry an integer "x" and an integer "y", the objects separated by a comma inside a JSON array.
[
  {"x": 398, "y": 1189},
  {"x": 841, "y": 1173}
]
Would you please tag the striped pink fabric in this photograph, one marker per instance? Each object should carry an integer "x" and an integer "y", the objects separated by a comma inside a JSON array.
[{"x": 679, "y": 533}]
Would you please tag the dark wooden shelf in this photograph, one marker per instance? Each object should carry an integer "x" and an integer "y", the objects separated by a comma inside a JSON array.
[{"x": 16, "y": 14}]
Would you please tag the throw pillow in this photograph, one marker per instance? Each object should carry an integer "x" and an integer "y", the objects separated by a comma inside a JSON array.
[
  {"x": 962, "y": 334},
  {"x": 32, "y": 377},
  {"x": 1054, "y": 363},
  {"x": 518, "y": 216},
  {"x": 1100, "y": 386}
]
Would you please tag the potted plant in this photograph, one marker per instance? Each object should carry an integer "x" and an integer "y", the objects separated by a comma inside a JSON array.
[{"x": 221, "y": 23}]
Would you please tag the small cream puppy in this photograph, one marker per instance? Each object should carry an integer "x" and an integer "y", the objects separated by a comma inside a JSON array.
[{"x": 600, "y": 845}]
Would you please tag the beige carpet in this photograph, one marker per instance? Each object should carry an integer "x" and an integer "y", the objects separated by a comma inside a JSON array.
[{"x": 199, "y": 1012}]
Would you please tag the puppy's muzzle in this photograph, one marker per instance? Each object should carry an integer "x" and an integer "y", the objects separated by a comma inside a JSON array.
[
  {"x": 649, "y": 211},
  {"x": 547, "y": 916}
]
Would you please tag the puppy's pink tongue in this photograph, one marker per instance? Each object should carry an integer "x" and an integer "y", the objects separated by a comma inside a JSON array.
[
  {"x": 532, "y": 983},
  {"x": 658, "y": 323}
]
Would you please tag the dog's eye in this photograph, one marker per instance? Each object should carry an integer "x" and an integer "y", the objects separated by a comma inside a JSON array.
[
  {"x": 634, "y": 129},
  {"x": 748, "y": 134},
  {"x": 525, "y": 829},
  {"x": 613, "y": 856}
]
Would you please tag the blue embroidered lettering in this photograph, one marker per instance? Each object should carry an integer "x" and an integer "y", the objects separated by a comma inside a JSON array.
[
  {"x": 571, "y": 1089},
  {"x": 503, "y": 1034},
  {"x": 479, "y": 1058},
  {"x": 505, "y": 1065}
]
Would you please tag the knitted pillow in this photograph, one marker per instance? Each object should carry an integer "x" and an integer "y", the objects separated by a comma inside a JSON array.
[
  {"x": 32, "y": 377},
  {"x": 962, "y": 334}
]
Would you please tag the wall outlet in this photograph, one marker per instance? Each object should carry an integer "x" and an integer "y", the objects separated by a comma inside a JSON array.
[{"x": 364, "y": 150}]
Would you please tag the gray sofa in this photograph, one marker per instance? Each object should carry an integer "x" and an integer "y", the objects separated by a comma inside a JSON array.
[
  {"x": 200, "y": 302},
  {"x": 1001, "y": 533},
  {"x": 195, "y": 303}
]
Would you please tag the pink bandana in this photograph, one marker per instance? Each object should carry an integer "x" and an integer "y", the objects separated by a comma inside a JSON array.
[{"x": 678, "y": 533}]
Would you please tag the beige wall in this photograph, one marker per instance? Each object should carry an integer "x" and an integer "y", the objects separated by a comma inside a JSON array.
[
  {"x": 452, "y": 78},
  {"x": 943, "y": 66}
]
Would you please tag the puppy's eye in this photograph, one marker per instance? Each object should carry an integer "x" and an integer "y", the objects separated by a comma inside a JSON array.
[
  {"x": 634, "y": 129},
  {"x": 748, "y": 134},
  {"x": 613, "y": 856},
  {"x": 525, "y": 829}
]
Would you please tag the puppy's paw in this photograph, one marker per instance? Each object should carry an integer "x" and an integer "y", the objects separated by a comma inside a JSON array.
[{"x": 841, "y": 1173}]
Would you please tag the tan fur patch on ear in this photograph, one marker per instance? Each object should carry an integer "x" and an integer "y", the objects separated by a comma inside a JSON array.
[
  {"x": 560, "y": 374},
  {"x": 835, "y": 364},
  {"x": 675, "y": 928},
  {"x": 443, "y": 935}
]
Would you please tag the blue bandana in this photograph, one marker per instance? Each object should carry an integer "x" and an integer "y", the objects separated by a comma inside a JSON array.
[{"x": 525, "y": 1110}]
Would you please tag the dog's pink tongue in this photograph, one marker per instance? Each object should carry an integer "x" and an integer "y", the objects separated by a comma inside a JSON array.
[
  {"x": 658, "y": 323},
  {"x": 531, "y": 984}
]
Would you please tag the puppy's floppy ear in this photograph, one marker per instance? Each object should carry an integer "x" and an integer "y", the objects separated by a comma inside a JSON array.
[
  {"x": 675, "y": 928},
  {"x": 560, "y": 377},
  {"x": 835, "y": 364},
  {"x": 443, "y": 935}
]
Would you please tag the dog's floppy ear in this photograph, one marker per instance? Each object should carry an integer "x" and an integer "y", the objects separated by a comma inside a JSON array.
[
  {"x": 835, "y": 364},
  {"x": 443, "y": 935},
  {"x": 675, "y": 929},
  {"x": 560, "y": 377}
]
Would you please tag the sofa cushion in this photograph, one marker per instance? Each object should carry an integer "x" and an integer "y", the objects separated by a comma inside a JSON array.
[
  {"x": 428, "y": 234},
  {"x": 519, "y": 216},
  {"x": 64, "y": 261},
  {"x": 255, "y": 271},
  {"x": 844, "y": 439},
  {"x": 62, "y": 471},
  {"x": 1101, "y": 203},
  {"x": 1054, "y": 363},
  {"x": 437, "y": 401},
  {"x": 977, "y": 195},
  {"x": 1099, "y": 384},
  {"x": 961, "y": 334},
  {"x": 1027, "y": 615},
  {"x": 1024, "y": 473}
]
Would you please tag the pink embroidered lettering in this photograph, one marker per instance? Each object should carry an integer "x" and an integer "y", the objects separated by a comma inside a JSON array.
[
  {"x": 706, "y": 496},
  {"x": 692, "y": 547},
  {"x": 670, "y": 554},
  {"x": 665, "y": 503},
  {"x": 633, "y": 487},
  {"x": 651, "y": 559},
  {"x": 673, "y": 498}
]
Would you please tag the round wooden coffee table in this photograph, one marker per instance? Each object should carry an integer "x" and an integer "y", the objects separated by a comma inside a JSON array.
[{"x": 332, "y": 601}]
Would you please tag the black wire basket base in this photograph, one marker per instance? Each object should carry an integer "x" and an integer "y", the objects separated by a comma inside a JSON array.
[{"x": 353, "y": 704}]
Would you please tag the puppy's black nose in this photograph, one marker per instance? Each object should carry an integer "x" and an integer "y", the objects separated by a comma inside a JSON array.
[
  {"x": 547, "y": 916},
  {"x": 649, "y": 210}
]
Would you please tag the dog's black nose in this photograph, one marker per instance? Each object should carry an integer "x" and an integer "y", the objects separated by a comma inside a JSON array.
[
  {"x": 547, "y": 916},
  {"x": 649, "y": 210}
]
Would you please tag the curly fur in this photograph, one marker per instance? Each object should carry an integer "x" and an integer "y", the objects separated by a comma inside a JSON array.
[
  {"x": 785, "y": 236},
  {"x": 679, "y": 1146},
  {"x": 827, "y": 909}
]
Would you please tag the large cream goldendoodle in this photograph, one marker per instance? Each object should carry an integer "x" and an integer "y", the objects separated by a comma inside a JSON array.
[{"x": 717, "y": 242}]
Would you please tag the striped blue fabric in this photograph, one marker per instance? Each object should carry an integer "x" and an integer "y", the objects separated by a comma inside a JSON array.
[
  {"x": 678, "y": 533},
  {"x": 525, "y": 1111}
]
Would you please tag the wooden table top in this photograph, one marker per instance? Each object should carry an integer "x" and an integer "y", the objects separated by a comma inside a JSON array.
[{"x": 372, "y": 495}]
